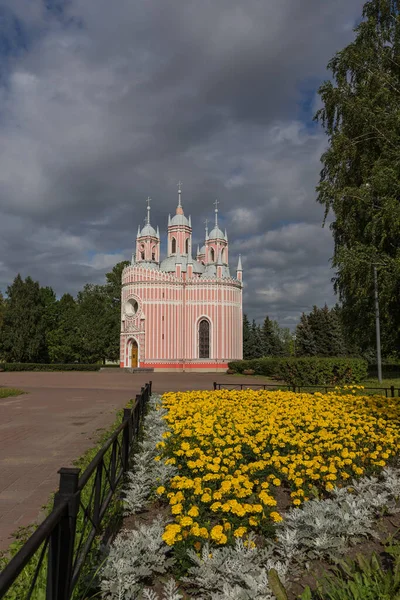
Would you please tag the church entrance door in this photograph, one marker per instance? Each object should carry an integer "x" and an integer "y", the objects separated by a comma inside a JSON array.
[{"x": 134, "y": 354}]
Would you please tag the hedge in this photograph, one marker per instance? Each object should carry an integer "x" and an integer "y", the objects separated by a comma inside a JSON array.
[
  {"x": 44, "y": 367},
  {"x": 311, "y": 370}
]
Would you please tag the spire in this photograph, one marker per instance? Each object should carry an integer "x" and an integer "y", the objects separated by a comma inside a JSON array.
[
  {"x": 138, "y": 230},
  {"x": 190, "y": 220},
  {"x": 179, "y": 209},
  {"x": 226, "y": 235},
  {"x": 148, "y": 210},
  {"x": 198, "y": 250},
  {"x": 216, "y": 213},
  {"x": 239, "y": 265},
  {"x": 169, "y": 220},
  {"x": 158, "y": 231},
  {"x": 206, "y": 224}
]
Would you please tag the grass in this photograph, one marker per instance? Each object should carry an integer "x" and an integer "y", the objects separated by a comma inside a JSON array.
[
  {"x": 373, "y": 382},
  {"x": 6, "y": 392}
]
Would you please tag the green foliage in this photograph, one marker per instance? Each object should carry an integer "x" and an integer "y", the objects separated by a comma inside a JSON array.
[
  {"x": 23, "y": 333},
  {"x": 307, "y": 370},
  {"x": 7, "y": 392},
  {"x": 360, "y": 178},
  {"x": 63, "y": 337},
  {"x": 320, "y": 333},
  {"x": 322, "y": 371},
  {"x": 47, "y": 367},
  {"x": 266, "y": 340},
  {"x": 359, "y": 579}
]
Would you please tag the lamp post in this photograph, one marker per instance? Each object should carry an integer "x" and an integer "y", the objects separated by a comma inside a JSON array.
[
  {"x": 377, "y": 321},
  {"x": 378, "y": 326}
]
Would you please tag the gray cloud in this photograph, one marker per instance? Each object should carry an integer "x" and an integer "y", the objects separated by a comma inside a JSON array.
[{"x": 110, "y": 103}]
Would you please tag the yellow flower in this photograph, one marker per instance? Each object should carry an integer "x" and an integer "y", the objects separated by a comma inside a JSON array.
[
  {"x": 276, "y": 517},
  {"x": 160, "y": 490},
  {"x": 194, "y": 511},
  {"x": 240, "y": 531},
  {"x": 185, "y": 521}
]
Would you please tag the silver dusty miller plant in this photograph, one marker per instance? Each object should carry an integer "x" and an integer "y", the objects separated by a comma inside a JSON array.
[
  {"x": 238, "y": 573},
  {"x": 326, "y": 528},
  {"x": 134, "y": 557},
  {"x": 147, "y": 473}
]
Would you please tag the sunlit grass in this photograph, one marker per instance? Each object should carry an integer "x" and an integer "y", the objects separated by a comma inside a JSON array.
[{"x": 6, "y": 392}]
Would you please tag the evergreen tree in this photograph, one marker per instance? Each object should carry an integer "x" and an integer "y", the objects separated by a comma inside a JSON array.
[
  {"x": 23, "y": 333},
  {"x": 248, "y": 342},
  {"x": 305, "y": 343},
  {"x": 268, "y": 337},
  {"x": 360, "y": 179},
  {"x": 257, "y": 350}
]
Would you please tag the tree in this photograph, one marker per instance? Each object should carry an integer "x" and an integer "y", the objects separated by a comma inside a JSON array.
[
  {"x": 257, "y": 349},
  {"x": 63, "y": 338},
  {"x": 305, "y": 342},
  {"x": 95, "y": 324},
  {"x": 113, "y": 289},
  {"x": 360, "y": 178},
  {"x": 23, "y": 333},
  {"x": 248, "y": 341}
]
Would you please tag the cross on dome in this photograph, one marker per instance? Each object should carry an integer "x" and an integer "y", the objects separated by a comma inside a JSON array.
[
  {"x": 179, "y": 193},
  {"x": 148, "y": 209},
  {"x": 216, "y": 212}
]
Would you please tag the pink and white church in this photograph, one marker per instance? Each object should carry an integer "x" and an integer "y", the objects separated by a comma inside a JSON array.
[{"x": 181, "y": 313}]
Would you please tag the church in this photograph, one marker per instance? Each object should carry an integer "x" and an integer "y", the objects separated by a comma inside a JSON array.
[{"x": 181, "y": 313}]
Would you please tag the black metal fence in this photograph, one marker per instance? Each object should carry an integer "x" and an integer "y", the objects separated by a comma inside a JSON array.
[
  {"x": 60, "y": 546},
  {"x": 389, "y": 392}
]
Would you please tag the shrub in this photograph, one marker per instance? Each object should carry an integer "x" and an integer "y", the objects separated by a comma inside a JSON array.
[
  {"x": 306, "y": 371},
  {"x": 47, "y": 367},
  {"x": 322, "y": 371}
]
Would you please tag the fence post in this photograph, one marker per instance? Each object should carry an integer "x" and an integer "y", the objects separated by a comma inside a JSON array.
[
  {"x": 62, "y": 539},
  {"x": 150, "y": 386},
  {"x": 215, "y": 385},
  {"x": 392, "y": 390},
  {"x": 127, "y": 437}
]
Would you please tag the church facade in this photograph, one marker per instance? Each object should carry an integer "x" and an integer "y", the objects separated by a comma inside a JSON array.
[{"x": 181, "y": 313}]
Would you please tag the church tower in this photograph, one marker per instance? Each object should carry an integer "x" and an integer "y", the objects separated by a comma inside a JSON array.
[
  {"x": 147, "y": 242},
  {"x": 216, "y": 244},
  {"x": 179, "y": 231}
]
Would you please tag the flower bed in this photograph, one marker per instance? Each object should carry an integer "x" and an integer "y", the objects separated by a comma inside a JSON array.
[
  {"x": 235, "y": 449},
  {"x": 206, "y": 489}
]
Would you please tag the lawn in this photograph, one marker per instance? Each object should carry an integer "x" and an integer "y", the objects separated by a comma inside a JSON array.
[{"x": 6, "y": 392}]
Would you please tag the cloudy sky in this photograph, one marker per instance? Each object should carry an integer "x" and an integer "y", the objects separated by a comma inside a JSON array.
[{"x": 104, "y": 103}]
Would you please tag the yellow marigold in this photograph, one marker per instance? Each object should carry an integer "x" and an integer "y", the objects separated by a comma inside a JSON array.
[
  {"x": 194, "y": 511},
  {"x": 176, "y": 509},
  {"x": 240, "y": 531},
  {"x": 160, "y": 490},
  {"x": 186, "y": 521},
  {"x": 276, "y": 517}
]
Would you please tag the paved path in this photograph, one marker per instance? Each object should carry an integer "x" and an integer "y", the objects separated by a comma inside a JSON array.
[{"x": 56, "y": 421}]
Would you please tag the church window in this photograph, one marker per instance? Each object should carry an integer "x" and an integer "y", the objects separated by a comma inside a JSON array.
[
  {"x": 142, "y": 255},
  {"x": 212, "y": 255},
  {"x": 173, "y": 246},
  {"x": 204, "y": 339},
  {"x": 187, "y": 246},
  {"x": 153, "y": 253}
]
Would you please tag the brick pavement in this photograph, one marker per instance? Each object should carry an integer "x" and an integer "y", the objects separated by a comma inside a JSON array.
[{"x": 56, "y": 421}]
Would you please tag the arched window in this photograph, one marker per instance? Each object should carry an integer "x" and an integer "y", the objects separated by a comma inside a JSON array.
[
  {"x": 142, "y": 255},
  {"x": 153, "y": 253},
  {"x": 173, "y": 246},
  {"x": 204, "y": 339},
  {"x": 187, "y": 246},
  {"x": 212, "y": 255}
]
